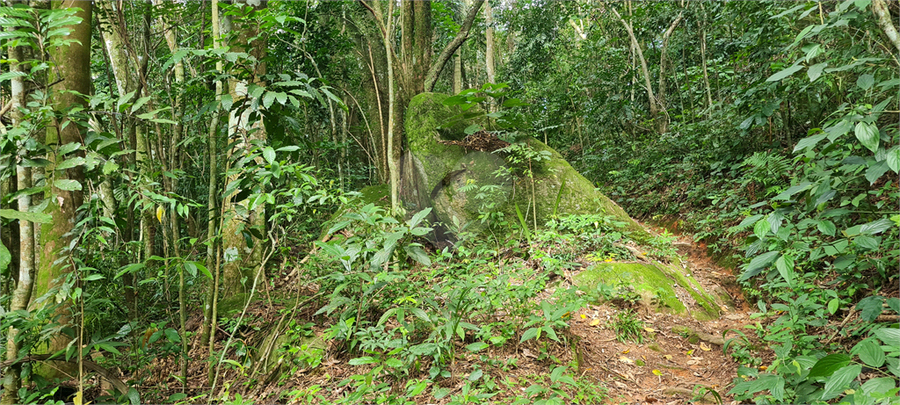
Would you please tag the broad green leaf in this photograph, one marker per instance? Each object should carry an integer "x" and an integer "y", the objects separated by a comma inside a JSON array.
[
  {"x": 870, "y": 353},
  {"x": 476, "y": 375},
  {"x": 839, "y": 380},
  {"x": 866, "y": 242},
  {"x": 890, "y": 336},
  {"x": 838, "y": 130},
  {"x": 172, "y": 335},
  {"x": 36, "y": 217},
  {"x": 109, "y": 167},
  {"x": 70, "y": 163},
  {"x": 827, "y": 365},
  {"x": 67, "y": 185},
  {"x": 876, "y": 227},
  {"x": 874, "y": 172},
  {"x": 865, "y": 81},
  {"x": 418, "y": 254},
  {"x": 69, "y": 148},
  {"x": 129, "y": 269},
  {"x": 269, "y": 154},
  {"x": 815, "y": 71},
  {"x": 227, "y": 102},
  {"x": 834, "y": 305},
  {"x": 879, "y": 385},
  {"x": 867, "y": 135},
  {"x": 761, "y": 229},
  {"x": 393, "y": 362},
  {"x": 476, "y": 347},
  {"x": 893, "y": 159},
  {"x": 268, "y": 99},
  {"x": 787, "y": 194},
  {"x": 808, "y": 142},
  {"x": 531, "y": 333},
  {"x": 785, "y": 266},
  {"x": 758, "y": 264},
  {"x": 870, "y": 307},
  {"x": 826, "y": 227},
  {"x": 138, "y": 104},
  {"x": 5, "y": 257},
  {"x": 785, "y": 73}
]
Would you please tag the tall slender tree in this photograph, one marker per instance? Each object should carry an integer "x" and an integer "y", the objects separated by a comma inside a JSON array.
[{"x": 71, "y": 75}]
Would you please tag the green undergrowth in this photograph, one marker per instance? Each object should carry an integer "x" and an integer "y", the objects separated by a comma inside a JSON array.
[
  {"x": 813, "y": 216},
  {"x": 419, "y": 325}
]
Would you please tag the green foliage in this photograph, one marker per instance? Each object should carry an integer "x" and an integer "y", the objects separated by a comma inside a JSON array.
[{"x": 628, "y": 327}]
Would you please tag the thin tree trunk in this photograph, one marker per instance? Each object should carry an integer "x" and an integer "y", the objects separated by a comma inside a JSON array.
[
  {"x": 24, "y": 283},
  {"x": 648, "y": 86},
  {"x": 450, "y": 49},
  {"x": 489, "y": 42}
]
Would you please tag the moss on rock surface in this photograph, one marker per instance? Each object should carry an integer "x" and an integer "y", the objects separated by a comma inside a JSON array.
[
  {"x": 659, "y": 285},
  {"x": 449, "y": 177}
]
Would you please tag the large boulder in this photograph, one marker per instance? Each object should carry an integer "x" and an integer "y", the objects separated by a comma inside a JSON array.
[{"x": 529, "y": 181}]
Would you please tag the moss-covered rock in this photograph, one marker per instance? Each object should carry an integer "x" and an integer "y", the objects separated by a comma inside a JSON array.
[
  {"x": 662, "y": 286},
  {"x": 460, "y": 184}
]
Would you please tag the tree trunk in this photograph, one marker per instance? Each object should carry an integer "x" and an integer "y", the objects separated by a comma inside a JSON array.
[
  {"x": 72, "y": 66},
  {"x": 24, "y": 282},
  {"x": 663, "y": 59},
  {"x": 883, "y": 16},
  {"x": 489, "y": 43},
  {"x": 243, "y": 131}
]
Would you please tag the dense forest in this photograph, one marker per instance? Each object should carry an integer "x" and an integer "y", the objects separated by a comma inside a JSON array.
[{"x": 450, "y": 201}]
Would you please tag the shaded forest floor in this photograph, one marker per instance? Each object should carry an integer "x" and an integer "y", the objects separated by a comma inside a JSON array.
[{"x": 679, "y": 359}]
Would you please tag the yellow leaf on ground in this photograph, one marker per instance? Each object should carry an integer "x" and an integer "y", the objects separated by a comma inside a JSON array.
[
  {"x": 704, "y": 347},
  {"x": 626, "y": 351},
  {"x": 626, "y": 360},
  {"x": 668, "y": 356},
  {"x": 648, "y": 329},
  {"x": 595, "y": 322},
  {"x": 657, "y": 372},
  {"x": 583, "y": 316}
]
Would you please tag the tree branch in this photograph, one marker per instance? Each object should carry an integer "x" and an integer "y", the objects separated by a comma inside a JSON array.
[
  {"x": 450, "y": 49},
  {"x": 647, "y": 84},
  {"x": 879, "y": 8},
  {"x": 115, "y": 381}
]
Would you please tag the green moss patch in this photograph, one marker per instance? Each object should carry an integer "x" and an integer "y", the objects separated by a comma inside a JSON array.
[{"x": 655, "y": 283}]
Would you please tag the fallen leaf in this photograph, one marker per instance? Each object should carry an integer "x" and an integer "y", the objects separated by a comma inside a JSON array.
[
  {"x": 595, "y": 322},
  {"x": 690, "y": 352},
  {"x": 583, "y": 316},
  {"x": 668, "y": 356},
  {"x": 657, "y": 372},
  {"x": 650, "y": 400},
  {"x": 626, "y": 360},
  {"x": 626, "y": 351},
  {"x": 649, "y": 329},
  {"x": 704, "y": 347}
]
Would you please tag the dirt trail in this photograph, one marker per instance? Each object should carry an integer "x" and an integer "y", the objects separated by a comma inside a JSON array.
[{"x": 669, "y": 367}]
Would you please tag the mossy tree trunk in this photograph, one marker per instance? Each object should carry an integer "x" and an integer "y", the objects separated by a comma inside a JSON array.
[
  {"x": 72, "y": 67},
  {"x": 243, "y": 128},
  {"x": 405, "y": 72}
]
